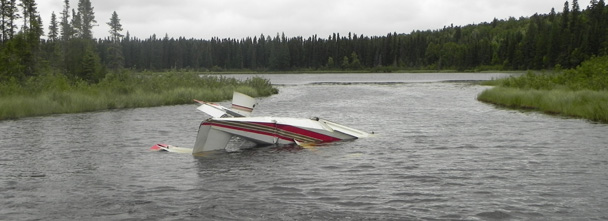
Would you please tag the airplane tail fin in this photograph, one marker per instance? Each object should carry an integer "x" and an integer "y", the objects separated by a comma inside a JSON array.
[{"x": 242, "y": 106}]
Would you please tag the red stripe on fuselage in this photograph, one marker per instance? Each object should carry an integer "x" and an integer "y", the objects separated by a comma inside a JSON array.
[
  {"x": 285, "y": 128},
  {"x": 300, "y": 131},
  {"x": 247, "y": 130}
]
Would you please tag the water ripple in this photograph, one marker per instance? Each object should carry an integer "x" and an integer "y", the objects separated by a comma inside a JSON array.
[{"x": 438, "y": 154}]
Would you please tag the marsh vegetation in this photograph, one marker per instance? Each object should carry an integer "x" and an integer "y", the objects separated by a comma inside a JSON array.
[
  {"x": 53, "y": 94},
  {"x": 581, "y": 92}
]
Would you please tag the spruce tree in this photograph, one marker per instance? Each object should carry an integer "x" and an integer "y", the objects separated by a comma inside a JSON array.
[
  {"x": 76, "y": 24},
  {"x": 53, "y": 34},
  {"x": 115, "y": 59},
  {"x": 8, "y": 16},
  {"x": 67, "y": 31},
  {"x": 87, "y": 19},
  {"x": 115, "y": 27},
  {"x": 28, "y": 50}
]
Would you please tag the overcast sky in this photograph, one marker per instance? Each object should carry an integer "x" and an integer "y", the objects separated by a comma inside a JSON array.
[{"x": 203, "y": 19}]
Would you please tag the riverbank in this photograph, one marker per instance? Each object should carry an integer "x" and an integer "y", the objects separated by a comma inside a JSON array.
[
  {"x": 55, "y": 94},
  {"x": 580, "y": 92},
  {"x": 586, "y": 104}
]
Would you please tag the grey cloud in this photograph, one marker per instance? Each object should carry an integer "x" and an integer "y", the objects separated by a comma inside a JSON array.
[{"x": 243, "y": 18}]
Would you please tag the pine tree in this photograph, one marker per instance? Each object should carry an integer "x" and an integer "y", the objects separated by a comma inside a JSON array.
[
  {"x": 115, "y": 27},
  {"x": 565, "y": 33},
  {"x": 89, "y": 68},
  {"x": 11, "y": 45},
  {"x": 67, "y": 31},
  {"x": 76, "y": 24},
  {"x": 53, "y": 48},
  {"x": 28, "y": 50},
  {"x": 115, "y": 60},
  {"x": 31, "y": 20},
  {"x": 554, "y": 41},
  {"x": 87, "y": 19},
  {"x": 597, "y": 27},
  {"x": 8, "y": 16},
  {"x": 25, "y": 12},
  {"x": 53, "y": 28}
]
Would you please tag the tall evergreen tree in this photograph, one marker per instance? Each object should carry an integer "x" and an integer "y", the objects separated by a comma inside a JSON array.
[
  {"x": 554, "y": 41},
  {"x": 76, "y": 24},
  {"x": 30, "y": 37},
  {"x": 25, "y": 6},
  {"x": 8, "y": 17},
  {"x": 87, "y": 19},
  {"x": 31, "y": 20},
  {"x": 67, "y": 31},
  {"x": 598, "y": 27},
  {"x": 565, "y": 42},
  {"x": 52, "y": 48},
  {"x": 53, "y": 34},
  {"x": 11, "y": 49},
  {"x": 115, "y": 27},
  {"x": 115, "y": 59}
]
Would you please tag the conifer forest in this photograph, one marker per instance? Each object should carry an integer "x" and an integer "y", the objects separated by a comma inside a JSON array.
[{"x": 554, "y": 40}]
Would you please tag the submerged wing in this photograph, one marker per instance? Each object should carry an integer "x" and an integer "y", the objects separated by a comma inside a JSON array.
[{"x": 214, "y": 110}]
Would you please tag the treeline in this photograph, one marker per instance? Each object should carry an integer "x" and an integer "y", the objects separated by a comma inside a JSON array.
[
  {"x": 69, "y": 48},
  {"x": 542, "y": 41}
]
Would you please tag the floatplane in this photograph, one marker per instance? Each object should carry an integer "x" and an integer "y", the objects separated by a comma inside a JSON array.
[{"x": 216, "y": 132}]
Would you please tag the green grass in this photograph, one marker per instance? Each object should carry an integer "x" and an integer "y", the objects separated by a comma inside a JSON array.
[
  {"x": 55, "y": 94},
  {"x": 580, "y": 92},
  {"x": 587, "y": 104}
]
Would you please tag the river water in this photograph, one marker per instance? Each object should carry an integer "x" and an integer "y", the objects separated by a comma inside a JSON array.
[{"x": 437, "y": 154}]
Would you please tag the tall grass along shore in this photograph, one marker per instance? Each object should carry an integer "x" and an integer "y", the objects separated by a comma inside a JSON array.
[
  {"x": 55, "y": 94},
  {"x": 581, "y": 92}
]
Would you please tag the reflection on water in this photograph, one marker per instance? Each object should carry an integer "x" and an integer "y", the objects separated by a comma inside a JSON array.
[{"x": 437, "y": 154}]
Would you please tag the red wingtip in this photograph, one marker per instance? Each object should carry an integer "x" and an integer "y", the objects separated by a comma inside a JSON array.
[{"x": 157, "y": 147}]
